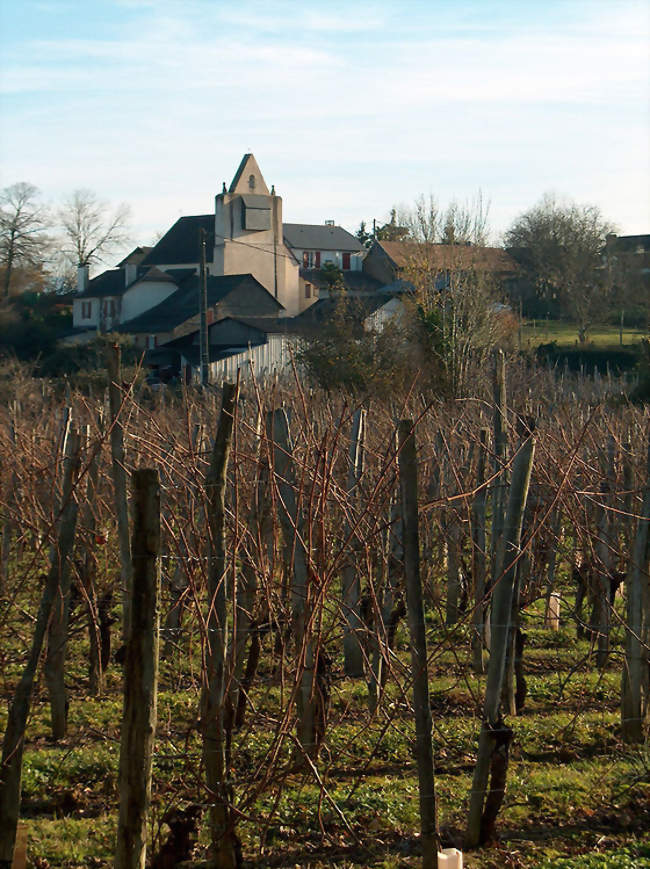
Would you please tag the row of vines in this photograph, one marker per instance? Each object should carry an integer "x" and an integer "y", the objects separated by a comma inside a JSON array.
[{"x": 286, "y": 570}]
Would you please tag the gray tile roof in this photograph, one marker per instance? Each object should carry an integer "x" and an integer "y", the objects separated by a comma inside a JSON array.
[
  {"x": 180, "y": 244},
  {"x": 110, "y": 283},
  {"x": 269, "y": 325},
  {"x": 307, "y": 236},
  {"x": 136, "y": 256},
  {"x": 354, "y": 310},
  {"x": 113, "y": 282},
  {"x": 184, "y": 303},
  {"x": 156, "y": 275}
]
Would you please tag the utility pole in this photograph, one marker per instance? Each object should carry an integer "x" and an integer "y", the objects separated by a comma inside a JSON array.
[{"x": 203, "y": 307}]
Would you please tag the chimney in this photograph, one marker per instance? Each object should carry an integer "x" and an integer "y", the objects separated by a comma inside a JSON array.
[
  {"x": 330, "y": 223},
  {"x": 82, "y": 279}
]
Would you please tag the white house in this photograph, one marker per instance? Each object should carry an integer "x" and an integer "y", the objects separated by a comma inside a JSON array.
[{"x": 315, "y": 245}]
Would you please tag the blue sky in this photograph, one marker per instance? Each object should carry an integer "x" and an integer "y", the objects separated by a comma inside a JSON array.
[{"x": 349, "y": 108}]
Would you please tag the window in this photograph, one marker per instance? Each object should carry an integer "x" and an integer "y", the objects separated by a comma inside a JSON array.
[
  {"x": 109, "y": 308},
  {"x": 86, "y": 310},
  {"x": 346, "y": 261},
  {"x": 308, "y": 291},
  {"x": 152, "y": 341},
  {"x": 251, "y": 182},
  {"x": 311, "y": 259}
]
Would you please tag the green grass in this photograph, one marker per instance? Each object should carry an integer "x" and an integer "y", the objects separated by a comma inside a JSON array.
[
  {"x": 536, "y": 332},
  {"x": 573, "y": 789}
]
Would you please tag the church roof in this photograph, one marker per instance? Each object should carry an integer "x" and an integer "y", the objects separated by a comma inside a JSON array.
[{"x": 248, "y": 167}]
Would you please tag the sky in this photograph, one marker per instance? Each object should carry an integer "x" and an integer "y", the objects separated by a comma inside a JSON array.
[{"x": 349, "y": 108}]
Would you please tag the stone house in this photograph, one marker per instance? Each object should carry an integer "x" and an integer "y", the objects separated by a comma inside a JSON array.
[{"x": 391, "y": 261}]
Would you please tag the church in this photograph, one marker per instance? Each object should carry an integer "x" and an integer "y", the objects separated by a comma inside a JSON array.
[{"x": 253, "y": 262}]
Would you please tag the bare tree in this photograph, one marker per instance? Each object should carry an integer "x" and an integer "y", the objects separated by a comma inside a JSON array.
[
  {"x": 459, "y": 313},
  {"x": 91, "y": 229},
  {"x": 460, "y": 223},
  {"x": 466, "y": 222},
  {"x": 561, "y": 248},
  {"x": 23, "y": 224}
]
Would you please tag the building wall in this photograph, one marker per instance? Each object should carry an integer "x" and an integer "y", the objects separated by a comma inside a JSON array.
[
  {"x": 392, "y": 312},
  {"x": 143, "y": 296},
  {"x": 80, "y": 322},
  {"x": 258, "y": 252},
  {"x": 232, "y": 333},
  {"x": 109, "y": 313},
  {"x": 329, "y": 256},
  {"x": 104, "y": 313},
  {"x": 378, "y": 266}
]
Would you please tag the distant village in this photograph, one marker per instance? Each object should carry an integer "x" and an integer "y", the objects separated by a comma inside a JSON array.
[{"x": 264, "y": 284}]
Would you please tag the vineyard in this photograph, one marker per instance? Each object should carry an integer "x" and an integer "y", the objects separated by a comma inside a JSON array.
[{"x": 264, "y": 625}]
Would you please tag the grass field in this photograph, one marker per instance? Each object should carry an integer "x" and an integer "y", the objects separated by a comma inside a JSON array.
[
  {"x": 576, "y": 795},
  {"x": 536, "y": 332}
]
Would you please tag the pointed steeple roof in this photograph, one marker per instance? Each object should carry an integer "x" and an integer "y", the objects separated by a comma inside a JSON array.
[{"x": 248, "y": 178}]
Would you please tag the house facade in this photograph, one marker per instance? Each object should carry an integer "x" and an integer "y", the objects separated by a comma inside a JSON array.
[{"x": 313, "y": 246}]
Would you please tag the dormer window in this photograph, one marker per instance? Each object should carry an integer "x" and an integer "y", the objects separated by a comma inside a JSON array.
[{"x": 251, "y": 182}]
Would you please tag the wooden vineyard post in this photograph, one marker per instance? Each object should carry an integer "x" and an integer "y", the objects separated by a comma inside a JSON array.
[
  {"x": 499, "y": 487},
  {"x": 390, "y": 611},
  {"x": 13, "y": 743},
  {"x": 89, "y": 570},
  {"x": 634, "y": 695},
  {"x": 140, "y": 676},
  {"x": 479, "y": 559},
  {"x": 224, "y": 842},
  {"x": 453, "y": 529},
  {"x": 407, "y": 462},
  {"x": 116, "y": 429},
  {"x": 556, "y": 536},
  {"x": 291, "y": 521},
  {"x": 605, "y": 558},
  {"x": 60, "y": 560},
  {"x": 260, "y": 525},
  {"x": 351, "y": 591},
  {"x": 7, "y": 522},
  {"x": 494, "y": 734}
]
